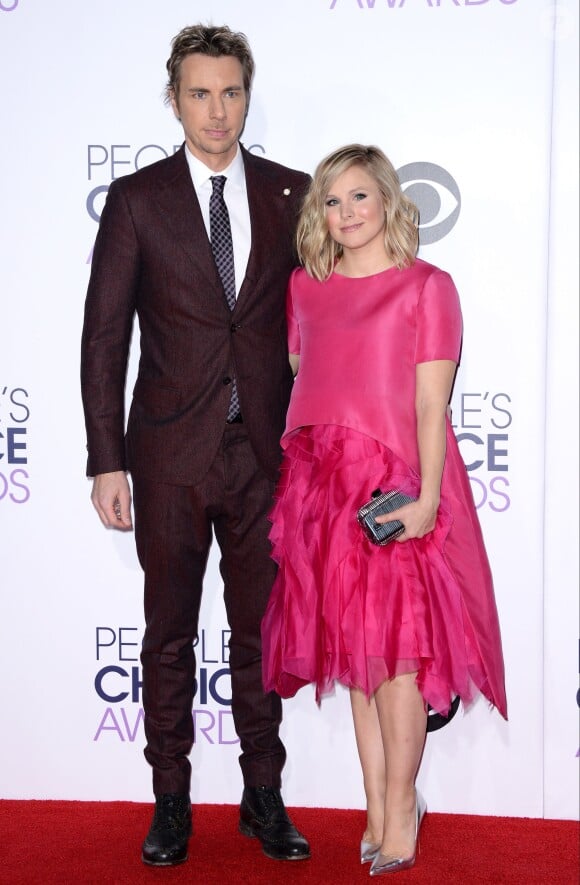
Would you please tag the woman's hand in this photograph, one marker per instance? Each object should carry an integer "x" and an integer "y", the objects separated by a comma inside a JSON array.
[
  {"x": 418, "y": 518},
  {"x": 433, "y": 389}
]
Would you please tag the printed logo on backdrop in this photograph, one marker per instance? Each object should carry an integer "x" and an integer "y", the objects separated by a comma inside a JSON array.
[
  {"x": 8, "y": 5},
  {"x": 14, "y": 416},
  {"x": 107, "y": 162},
  {"x": 118, "y": 685},
  {"x": 399, "y": 4},
  {"x": 436, "y": 195},
  {"x": 481, "y": 425}
]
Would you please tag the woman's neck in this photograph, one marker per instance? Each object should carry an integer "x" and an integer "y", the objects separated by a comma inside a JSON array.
[{"x": 359, "y": 266}]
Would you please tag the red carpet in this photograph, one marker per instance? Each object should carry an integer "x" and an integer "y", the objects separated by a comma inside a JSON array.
[{"x": 98, "y": 842}]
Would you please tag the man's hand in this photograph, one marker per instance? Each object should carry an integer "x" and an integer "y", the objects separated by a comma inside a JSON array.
[{"x": 112, "y": 500}]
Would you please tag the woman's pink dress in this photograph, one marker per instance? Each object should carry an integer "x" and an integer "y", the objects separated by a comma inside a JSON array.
[{"x": 342, "y": 609}]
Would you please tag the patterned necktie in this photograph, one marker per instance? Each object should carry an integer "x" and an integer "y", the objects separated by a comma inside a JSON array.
[{"x": 220, "y": 235}]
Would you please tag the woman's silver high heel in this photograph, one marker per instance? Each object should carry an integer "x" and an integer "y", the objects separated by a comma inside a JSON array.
[
  {"x": 386, "y": 864},
  {"x": 368, "y": 851}
]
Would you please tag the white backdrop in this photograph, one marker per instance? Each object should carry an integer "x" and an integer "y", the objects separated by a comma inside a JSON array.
[{"x": 475, "y": 102}]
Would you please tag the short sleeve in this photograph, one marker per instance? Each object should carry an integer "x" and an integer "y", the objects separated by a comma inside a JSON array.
[
  {"x": 291, "y": 318},
  {"x": 439, "y": 323}
]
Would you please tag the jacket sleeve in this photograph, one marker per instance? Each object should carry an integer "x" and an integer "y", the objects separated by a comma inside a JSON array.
[{"x": 108, "y": 321}]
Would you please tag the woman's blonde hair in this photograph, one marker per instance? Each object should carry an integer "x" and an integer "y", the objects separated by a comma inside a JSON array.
[{"x": 317, "y": 251}]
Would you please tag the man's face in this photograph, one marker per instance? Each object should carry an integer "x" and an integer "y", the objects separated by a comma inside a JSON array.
[{"x": 211, "y": 103}]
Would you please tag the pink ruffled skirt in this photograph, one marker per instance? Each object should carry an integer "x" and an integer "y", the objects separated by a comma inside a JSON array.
[{"x": 343, "y": 609}]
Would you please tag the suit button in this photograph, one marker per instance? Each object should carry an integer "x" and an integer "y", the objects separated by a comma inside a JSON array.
[
  {"x": 235, "y": 326},
  {"x": 227, "y": 380}
]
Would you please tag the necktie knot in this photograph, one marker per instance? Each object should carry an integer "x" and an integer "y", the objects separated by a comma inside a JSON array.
[{"x": 218, "y": 184}]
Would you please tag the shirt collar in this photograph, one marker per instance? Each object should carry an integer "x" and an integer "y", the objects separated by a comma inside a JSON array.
[{"x": 201, "y": 174}]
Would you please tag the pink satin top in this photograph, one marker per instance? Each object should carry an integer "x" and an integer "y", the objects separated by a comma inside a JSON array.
[{"x": 359, "y": 340}]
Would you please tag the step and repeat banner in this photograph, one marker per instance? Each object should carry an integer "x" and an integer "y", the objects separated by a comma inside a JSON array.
[{"x": 475, "y": 103}]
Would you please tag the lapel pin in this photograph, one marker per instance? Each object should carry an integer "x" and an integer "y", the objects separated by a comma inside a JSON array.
[{"x": 286, "y": 191}]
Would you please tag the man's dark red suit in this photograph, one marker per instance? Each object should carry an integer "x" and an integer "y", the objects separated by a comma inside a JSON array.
[{"x": 190, "y": 471}]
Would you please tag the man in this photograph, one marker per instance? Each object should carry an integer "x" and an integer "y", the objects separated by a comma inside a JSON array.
[{"x": 208, "y": 410}]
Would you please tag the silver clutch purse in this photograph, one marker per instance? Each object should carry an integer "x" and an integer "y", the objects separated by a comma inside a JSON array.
[{"x": 380, "y": 503}]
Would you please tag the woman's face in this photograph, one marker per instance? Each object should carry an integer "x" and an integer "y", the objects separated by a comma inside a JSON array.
[{"x": 355, "y": 213}]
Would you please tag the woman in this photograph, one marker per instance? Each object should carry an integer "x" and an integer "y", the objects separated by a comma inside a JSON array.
[{"x": 374, "y": 340}]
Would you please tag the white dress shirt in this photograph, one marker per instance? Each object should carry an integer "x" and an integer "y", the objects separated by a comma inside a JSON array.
[{"x": 236, "y": 198}]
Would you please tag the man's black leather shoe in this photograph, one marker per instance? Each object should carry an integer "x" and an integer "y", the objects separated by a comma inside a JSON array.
[
  {"x": 166, "y": 842},
  {"x": 262, "y": 814}
]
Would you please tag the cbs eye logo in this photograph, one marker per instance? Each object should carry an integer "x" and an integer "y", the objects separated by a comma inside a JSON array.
[{"x": 437, "y": 197}]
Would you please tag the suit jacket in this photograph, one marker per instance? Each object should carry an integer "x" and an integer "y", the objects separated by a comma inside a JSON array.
[{"x": 153, "y": 258}]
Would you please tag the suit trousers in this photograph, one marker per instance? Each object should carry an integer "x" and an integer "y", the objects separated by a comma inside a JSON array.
[{"x": 173, "y": 530}]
